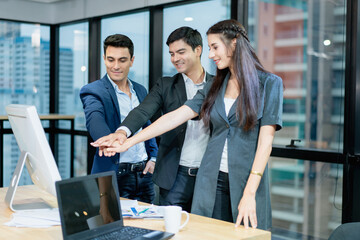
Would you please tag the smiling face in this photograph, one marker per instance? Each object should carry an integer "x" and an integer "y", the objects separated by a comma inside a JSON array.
[
  {"x": 118, "y": 62},
  {"x": 183, "y": 57},
  {"x": 219, "y": 52}
]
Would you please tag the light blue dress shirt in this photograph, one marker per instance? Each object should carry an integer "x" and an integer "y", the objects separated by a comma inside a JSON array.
[{"x": 136, "y": 153}]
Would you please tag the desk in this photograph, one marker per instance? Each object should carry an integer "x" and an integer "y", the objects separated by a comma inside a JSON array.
[{"x": 198, "y": 227}]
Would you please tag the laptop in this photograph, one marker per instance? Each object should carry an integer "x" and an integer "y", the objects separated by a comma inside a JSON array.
[{"x": 90, "y": 208}]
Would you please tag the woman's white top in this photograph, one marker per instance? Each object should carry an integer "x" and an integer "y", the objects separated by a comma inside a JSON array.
[{"x": 224, "y": 158}]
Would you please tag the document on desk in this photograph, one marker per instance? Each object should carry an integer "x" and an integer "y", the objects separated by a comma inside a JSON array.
[
  {"x": 131, "y": 209},
  {"x": 40, "y": 218}
]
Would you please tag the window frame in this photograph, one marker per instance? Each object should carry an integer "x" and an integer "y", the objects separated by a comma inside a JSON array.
[{"x": 349, "y": 157}]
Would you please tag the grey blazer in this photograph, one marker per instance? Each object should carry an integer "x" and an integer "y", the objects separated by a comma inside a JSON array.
[
  {"x": 168, "y": 94},
  {"x": 241, "y": 149}
]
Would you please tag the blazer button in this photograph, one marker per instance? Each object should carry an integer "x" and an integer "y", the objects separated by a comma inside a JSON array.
[{"x": 227, "y": 125}]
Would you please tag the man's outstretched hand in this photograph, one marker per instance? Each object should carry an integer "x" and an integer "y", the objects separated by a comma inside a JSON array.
[
  {"x": 116, "y": 147},
  {"x": 109, "y": 141}
]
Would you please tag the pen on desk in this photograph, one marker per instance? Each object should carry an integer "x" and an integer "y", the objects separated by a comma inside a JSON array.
[
  {"x": 144, "y": 210},
  {"x": 134, "y": 211}
]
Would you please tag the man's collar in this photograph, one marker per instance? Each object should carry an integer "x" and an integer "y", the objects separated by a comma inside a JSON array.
[
  {"x": 186, "y": 78},
  {"x": 131, "y": 87}
]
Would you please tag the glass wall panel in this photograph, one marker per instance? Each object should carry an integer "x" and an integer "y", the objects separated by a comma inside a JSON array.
[
  {"x": 136, "y": 27},
  {"x": 81, "y": 149},
  {"x": 80, "y": 155},
  {"x": 73, "y": 74},
  {"x": 64, "y": 154},
  {"x": 200, "y": 16},
  {"x": 24, "y": 78},
  {"x": 306, "y": 198},
  {"x": 304, "y": 43}
]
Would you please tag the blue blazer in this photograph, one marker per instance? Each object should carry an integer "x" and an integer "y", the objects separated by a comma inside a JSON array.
[{"x": 102, "y": 113}]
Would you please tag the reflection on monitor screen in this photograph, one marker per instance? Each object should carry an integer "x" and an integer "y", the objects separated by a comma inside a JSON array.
[{"x": 35, "y": 153}]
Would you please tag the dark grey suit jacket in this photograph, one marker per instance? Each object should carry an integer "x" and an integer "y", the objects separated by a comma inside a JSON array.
[
  {"x": 241, "y": 149},
  {"x": 168, "y": 94}
]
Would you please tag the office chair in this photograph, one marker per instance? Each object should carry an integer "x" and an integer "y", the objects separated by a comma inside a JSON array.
[{"x": 346, "y": 231}]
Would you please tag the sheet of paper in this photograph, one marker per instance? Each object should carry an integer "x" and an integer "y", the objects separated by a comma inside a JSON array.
[
  {"x": 151, "y": 211},
  {"x": 128, "y": 203},
  {"x": 131, "y": 209},
  {"x": 40, "y": 218}
]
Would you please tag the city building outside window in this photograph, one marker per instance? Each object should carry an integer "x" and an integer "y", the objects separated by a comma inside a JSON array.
[
  {"x": 24, "y": 79},
  {"x": 73, "y": 74},
  {"x": 304, "y": 44}
]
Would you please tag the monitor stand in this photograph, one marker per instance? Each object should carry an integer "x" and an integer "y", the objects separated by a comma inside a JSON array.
[{"x": 27, "y": 204}]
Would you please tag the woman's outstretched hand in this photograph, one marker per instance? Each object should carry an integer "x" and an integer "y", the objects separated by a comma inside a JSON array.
[{"x": 247, "y": 211}]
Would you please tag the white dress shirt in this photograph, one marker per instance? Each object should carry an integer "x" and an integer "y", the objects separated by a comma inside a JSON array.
[
  {"x": 224, "y": 157},
  {"x": 196, "y": 135}
]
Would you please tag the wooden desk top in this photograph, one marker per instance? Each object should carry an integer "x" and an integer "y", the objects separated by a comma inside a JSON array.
[
  {"x": 47, "y": 117},
  {"x": 198, "y": 227},
  {"x": 13, "y": 233}
]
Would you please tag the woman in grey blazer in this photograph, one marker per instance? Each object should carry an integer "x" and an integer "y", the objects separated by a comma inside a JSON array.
[{"x": 243, "y": 107}]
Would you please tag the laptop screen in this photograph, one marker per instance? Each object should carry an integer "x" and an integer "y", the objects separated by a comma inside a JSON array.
[{"x": 89, "y": 202}]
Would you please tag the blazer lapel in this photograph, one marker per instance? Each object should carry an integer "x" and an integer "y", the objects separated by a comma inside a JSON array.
[
  {"x": 219, "y": 102},
  {"x": 112, "y": 93},
  {"x": 180, "y": 88},
  {"x": 208, "y": 77},
  {"x": 138, "y": 92}
]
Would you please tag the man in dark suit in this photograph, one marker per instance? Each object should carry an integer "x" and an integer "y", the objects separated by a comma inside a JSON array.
[
  {"x": 180, "y": 150},
  {"x": 106, "y": 103}
]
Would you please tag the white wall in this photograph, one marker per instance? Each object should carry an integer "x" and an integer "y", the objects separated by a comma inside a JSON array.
[{"x": 68, "y": 10}]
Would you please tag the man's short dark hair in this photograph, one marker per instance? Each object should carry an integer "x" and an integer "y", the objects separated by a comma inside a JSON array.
[
  {"x": 190, "y": 36},
  {"x": 119, "y": 40}
]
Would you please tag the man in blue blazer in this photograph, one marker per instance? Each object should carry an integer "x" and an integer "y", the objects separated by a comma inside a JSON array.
[
  {"x": 181, "y": 149},
  {"x": 106, "y": 104}
]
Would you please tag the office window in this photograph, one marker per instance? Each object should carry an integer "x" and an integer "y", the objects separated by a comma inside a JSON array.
[
  {"x": 73, "y": 74},
  {"x": 200, "y": 16},
  {"x": 305, "y": 45},
  {"x": 32, "y": 88},
  {"x": 306, "y": 198},
  {"x": 306, "y": 48},
  {"x": 136, "y": 27}
]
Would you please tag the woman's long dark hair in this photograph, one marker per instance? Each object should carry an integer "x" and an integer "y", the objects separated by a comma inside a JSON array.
[{"x": 245, "y": 64}]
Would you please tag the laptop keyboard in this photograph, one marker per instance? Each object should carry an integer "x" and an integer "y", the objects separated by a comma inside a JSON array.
[{"x": 125, "y": 233}]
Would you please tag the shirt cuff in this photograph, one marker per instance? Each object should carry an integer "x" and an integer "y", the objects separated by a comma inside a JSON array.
[
  {"x": 153, "y": 159},
  {"x": 127, "y": 130}
]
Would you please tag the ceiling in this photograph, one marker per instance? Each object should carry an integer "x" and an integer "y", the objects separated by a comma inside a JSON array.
[
  {"x": 63, "y": 11},
  {"x": 45, "y": 1}
]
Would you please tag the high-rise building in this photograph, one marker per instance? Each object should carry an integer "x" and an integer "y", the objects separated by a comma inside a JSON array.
[
  {"x": 24, "y": 79},
  {"x": 304, "y": 45}
]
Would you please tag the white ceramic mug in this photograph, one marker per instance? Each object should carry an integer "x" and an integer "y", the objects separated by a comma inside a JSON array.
[
  {"x": 172, "y": 217},
  {"x": 95, "y": 221}
]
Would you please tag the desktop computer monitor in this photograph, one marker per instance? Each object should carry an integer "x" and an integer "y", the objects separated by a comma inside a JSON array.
[{"x": 35, "y": 153}]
